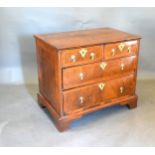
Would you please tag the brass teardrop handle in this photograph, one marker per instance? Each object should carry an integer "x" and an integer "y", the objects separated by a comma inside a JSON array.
[
  {"x": 129, "y": 49},
  {"x": 101, "y": 86},
  {"x": 121, "y": 89},
  {"x": 92, "y": 56},
  {"x": 122, "y": 66},
  {"x": 73, "y": 58},
  {"x": 81, "y": 76},
  {"x": 81, "y": 100},
  {"x": 113, "y": 51}
]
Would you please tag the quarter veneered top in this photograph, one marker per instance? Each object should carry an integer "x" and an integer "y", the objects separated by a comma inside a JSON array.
[{"x": 74, "y": 39}]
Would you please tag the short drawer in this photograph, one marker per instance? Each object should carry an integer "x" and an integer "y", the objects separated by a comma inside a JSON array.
[
  {"x": 120, "y": 49},
  {"x": 80, "y": 56},
  {"x": 87, "y": 74},
  {"x": 99, "y": 93}
]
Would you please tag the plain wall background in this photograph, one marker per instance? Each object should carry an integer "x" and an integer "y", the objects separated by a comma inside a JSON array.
[{"x": 18, "y": 25}]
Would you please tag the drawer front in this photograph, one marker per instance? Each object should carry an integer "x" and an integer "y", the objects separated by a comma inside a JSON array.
[
  {"x": 99, "y": 93},
  {"x": 120, "y": 49},
  {"x": 79, "y": 56},
  {"x": 81, "y": 75}
]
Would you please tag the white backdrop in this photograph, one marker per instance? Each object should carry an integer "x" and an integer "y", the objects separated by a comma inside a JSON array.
[{"x": 18, "y": 25}]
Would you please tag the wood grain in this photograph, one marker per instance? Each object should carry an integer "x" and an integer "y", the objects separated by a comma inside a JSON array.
[
  {"x": 66, "y": 56},
  {"x": 93, "y": 95},
  {"x": 94, "y": 73},
  {"x": 108, "y": 54},
  {"x": 74, "y": 39},
  {"x": 49, "y": 75},
  {"x": 64, "y": 93}
]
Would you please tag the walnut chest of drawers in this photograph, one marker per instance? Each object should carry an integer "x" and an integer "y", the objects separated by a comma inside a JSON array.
[{"x": 84, "y": 71}]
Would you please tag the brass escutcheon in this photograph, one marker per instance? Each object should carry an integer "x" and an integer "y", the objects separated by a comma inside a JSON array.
[
  {"x": 101, "y": 86},
  {"x": 103, "y": 65},
  {"x": 83, "y": 52},
  {"x": 121, "y": 46}
]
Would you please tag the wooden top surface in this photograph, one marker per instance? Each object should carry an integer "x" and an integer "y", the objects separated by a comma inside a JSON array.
[{"x": 73, "y": 39}]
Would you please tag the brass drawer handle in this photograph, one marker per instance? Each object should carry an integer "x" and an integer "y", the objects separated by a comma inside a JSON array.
[
  {"x": 92, "y": 56},
  {"x": 121, "y": 46},
  {"x": 121, "y": 89},
  {"x": 122, "y": 66},
  {"x": 73, "y": 58},
  {"x": 101, "y": 86},
  {"x": 81, "y": 76},
  {"x": 129, "y": 49},
  {"x": 83, "y": 52},
  {"x": 81, "y": 100},
  {"x": 113, "y": 51},
  {"x": 103, "y": 65}
]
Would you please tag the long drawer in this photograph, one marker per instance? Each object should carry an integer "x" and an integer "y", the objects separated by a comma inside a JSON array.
[
  {"x": 87, "y": 74},
  {"x": 99, "y": 93}
]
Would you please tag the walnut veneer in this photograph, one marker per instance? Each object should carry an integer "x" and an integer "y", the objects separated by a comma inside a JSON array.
[{"x": 84, "y": 71}]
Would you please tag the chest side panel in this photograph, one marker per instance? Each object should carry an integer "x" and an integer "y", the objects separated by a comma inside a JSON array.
[{"x": 49, "y": 73}]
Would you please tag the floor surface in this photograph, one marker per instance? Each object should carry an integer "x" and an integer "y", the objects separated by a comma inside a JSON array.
[{"x": 24, "y": 123}]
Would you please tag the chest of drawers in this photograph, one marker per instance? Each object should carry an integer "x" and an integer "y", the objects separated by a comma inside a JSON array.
[{"x": 84, "y": 71}]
